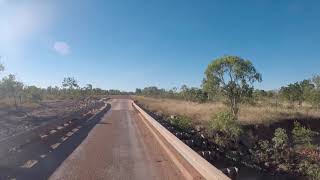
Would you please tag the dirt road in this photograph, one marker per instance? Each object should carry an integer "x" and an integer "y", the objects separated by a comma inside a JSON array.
[{"x": 121, "y": 146}]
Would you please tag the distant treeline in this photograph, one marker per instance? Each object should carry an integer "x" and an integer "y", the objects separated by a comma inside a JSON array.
[
  {"x": 185, "y": 93},
  {"x": 295, "y": 94},
  {"x": 16, "y": 93}
]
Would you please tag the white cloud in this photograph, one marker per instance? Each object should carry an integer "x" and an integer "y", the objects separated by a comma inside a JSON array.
[{"x": 61, "y": 48}]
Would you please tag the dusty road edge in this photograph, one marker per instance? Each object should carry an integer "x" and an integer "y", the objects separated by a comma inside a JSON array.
[{"x": 204, "y": 168}]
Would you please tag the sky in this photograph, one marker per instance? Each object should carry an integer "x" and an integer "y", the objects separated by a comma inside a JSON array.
[{"x": 128, "y": 44}]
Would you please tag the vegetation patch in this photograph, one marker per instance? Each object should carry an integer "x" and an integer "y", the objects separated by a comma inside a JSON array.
[
  {"x": 184, "y": 123},
  {"x": 230, "y": 140},
  {"x": 224, "y": 128}
]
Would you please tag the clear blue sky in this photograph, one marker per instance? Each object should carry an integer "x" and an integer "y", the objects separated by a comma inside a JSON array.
[{"x": 136, "y": 43}]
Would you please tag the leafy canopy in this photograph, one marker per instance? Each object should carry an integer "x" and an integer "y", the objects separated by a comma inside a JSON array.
[
  {"x": 234, "y": 77},
  {"x": 280, "y": 139},
  {"x": 223, "y": 122},
  {"x": 302, "y": 135},
  {"x": 292, "y": 92},
  {"x": 70, "y": 83},
  {"x": 298, "y": 91}
]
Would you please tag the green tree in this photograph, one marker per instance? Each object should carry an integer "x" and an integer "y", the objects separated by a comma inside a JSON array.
[
  {"x": 302, "y": 135},
  {"x": 315, "y": 98},
  {"x": 138, "y": 91},
  {"x": 89, "y": 87},
  {"x": 153, "y": 91},
  {"x": 70, "y": 83},
  {"x": 210, "y": 88},
  {"x": 234, "y": 77},
  {"x": 34, "y": 93},
  {"x": 259, "y": 95},
  {"x": 316, "y": 81},
  {"x": 292, "y": 93},
  {"x": 193, "y": 94},
  {"x": 12, "y": 88},
  {"x": 307, "y": 87},
  {"x": 97, "y": 91},
  {"x": 88, "y": 90},
  {"x": 184, "y": 91},
  {"x": 297, "y": 92}
]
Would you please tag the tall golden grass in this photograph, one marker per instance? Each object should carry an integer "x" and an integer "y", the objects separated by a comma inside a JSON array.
[{"x": 249, "y": 114}]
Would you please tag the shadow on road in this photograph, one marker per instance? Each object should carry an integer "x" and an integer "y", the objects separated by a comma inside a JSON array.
[{"x": 54, "y": 158}]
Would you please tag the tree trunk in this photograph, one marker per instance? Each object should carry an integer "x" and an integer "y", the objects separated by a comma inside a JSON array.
[{"x": 234, "y": 107}]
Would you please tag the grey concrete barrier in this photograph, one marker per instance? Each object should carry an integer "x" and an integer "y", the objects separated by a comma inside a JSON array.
[{"x": 207, "y": 170}]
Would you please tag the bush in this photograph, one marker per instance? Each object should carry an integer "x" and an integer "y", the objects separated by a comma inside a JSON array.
[
  {"x": 282, "y": 153},
  {"x": 182, "y": 122},
  {"x": 222, "y": 141},
  {"x": 224, "y": 122},
  {"x": 263, "y": 151},
  {"x": 302, "y": 135},
  {"x": 312, "y": 170},
  {"x": 280, "y": 139},
  {"x": 36, "y": 97}
]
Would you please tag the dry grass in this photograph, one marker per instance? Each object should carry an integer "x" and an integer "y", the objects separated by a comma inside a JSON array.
[
  {"x": 249, "y": 114},
  {"x": 9, "y": 103}
]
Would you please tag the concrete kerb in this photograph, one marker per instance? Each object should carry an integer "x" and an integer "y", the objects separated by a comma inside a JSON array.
[{"x": 207, "y": 170}]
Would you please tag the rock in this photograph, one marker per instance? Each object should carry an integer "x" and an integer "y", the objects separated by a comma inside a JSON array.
[
  {"x": 198, "y": 128},
  {"x": 173, "y": 116},
  {"x": 159, "y": 113},
  {"x": 283, "y": 167},
  {"x": 267, "y": 164},
  {"x": 231, "y": 171}
]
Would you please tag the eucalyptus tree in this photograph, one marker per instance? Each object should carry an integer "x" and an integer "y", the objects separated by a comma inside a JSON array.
[
  {"x": 71, "y": 84},
  {"x": 234, "y": 78},
  {"x": 298, "y": 91}
]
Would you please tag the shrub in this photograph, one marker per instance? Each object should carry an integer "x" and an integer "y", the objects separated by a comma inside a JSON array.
[
  {"x": 312, "y": 170},
  {"x": 263, "y": 151},
  {"x": 224, "y": 122},
  {"x": 222, "y": 141},
  {"x": 36, "y": 97},
  {"x": 302, "y": 135},
  {"x": 280, "y": 139},
  {"x": 282, "y": 152},
  {"x": 182, "y": 122}
]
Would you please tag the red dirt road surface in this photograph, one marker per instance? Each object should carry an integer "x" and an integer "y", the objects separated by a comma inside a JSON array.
[{"x": 122, "y": 146}]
